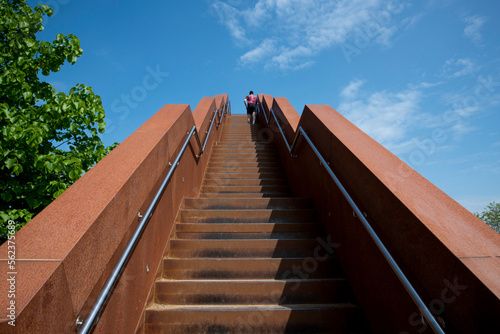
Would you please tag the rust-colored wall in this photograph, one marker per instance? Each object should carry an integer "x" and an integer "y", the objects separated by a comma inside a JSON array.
[
  {"x": 65, "y": 254},
  {"x": 449, "y": 255},
  {"x": 267, "y": 103}
]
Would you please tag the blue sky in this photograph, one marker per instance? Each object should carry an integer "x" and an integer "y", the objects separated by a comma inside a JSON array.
[{"x": 421, "y": 77}]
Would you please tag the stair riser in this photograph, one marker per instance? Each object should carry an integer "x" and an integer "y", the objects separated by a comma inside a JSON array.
[
  {"x": 233, "y": 159},
  {"x": 224, "y": 252},
  {"x": 249, "y": 228},
  {"x": 262, "y": 321},
  {"x": 245, "y": 182},
  {"x": 276, "y": 203},
  {"x": 242, "y": 139},
  {"x": 245, "y": 189},
  {"x": 252, "y": 292},
  {"x": 244, "y": 154},
  {"x": 235, "y": 145},
  {"x": 248, "y": 216},
  {"x": 236, "y": 164},
  {"x": 263, "y": 170},
  {"x": 243, "y": 248},
  {"x": 228, "y": 269},
  {"x": 233, "y": 176},
  {"x": 245, "y": 235},
  {"x": 261, "y": 150},
  {"x": 245, "y": 195}
]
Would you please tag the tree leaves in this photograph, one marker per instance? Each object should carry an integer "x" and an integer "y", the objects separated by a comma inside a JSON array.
[
  {"x": 10, "y": 162},
  {"x": 491, "y": 216},
  {"x": 48, "y": 139}
]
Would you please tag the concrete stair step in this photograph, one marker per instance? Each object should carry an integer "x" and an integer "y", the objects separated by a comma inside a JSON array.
[
  {"x": 245, "y": 235},
  {"x": 239, "y": 164},
  {"x": 245, "y": 145},
  {"x": 245, "y": 152},
  {"x": 239, "y": 128},
  {"x": 229, "y": 176},
  {"x": 248, "y": 216},
  {"x": 266, "y": 248},
  {"x": 263, "y": 170},
  {"x": 245, "y": 189},
  {"x": 253, "y": 268},
  {"x": 246, "y": 182},
  {"x": 254, "y": 132},
  {"x": 261, "y": 319},
  {"x": 235, "y": 127},
  {"x": 250, "y": 136},
  {"x": 252, "y": 292},
  {"x": 265, "y": 149},
  {"x": 260, "y": 138},
  {"x": 253, "y": 203},
  {"x": 246, "y": 195},
  {"x": 248, "y": 228},
  {"x": 258, "y": 157}
]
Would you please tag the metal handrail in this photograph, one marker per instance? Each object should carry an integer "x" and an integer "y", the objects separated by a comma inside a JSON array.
[
  {"x": 397, "y": 270},
  {"x": 222, "y": 114},
  {"x": 259, "y": 106},
  {"x": 208, "y": 133},
  {"x": 87, "y": 325}
]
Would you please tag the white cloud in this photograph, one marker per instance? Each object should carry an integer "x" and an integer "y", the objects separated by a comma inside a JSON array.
[
  {"x": 460, "y": 129},
  {"x": 411, "y": 21},
  {"x": 263, "y": 50},
  {"x": 425, "y": 84},
  {"x": 383, "y": 115},
  {"x": 230, "y": 17},
  {"x": 398, "y": 119},
  {"x": 289, "y": 57},
  {"x": 474, "y": 25},
  {"x": 455, "y": 68},
  {"x": 351, "y": 90},
  {"x": 301, "y": 29}
]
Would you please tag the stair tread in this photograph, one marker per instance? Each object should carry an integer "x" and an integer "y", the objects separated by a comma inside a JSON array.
[
  {"x": 249, "y": 281},
  {"x": 250, "y": 227},
  {"x": 245, "y": 259},
  {"x": 235, "y": 307},
  {"x": 239, "y": 242}
]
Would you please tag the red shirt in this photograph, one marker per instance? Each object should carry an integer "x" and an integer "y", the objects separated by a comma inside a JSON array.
[{"x": 251, "y": 99}]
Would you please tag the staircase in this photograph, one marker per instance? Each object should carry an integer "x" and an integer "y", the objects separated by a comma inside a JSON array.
[{"x": 247, "y": 256}]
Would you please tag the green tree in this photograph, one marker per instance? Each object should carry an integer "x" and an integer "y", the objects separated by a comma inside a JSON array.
[
  {"x": 48, "y": 139},
  {"x": 491, "y": 216}
]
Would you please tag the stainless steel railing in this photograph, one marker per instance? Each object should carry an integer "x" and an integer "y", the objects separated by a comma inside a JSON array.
[
  {"x": 88, "y": 325},
  {"x": 397, "y": 270}
]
